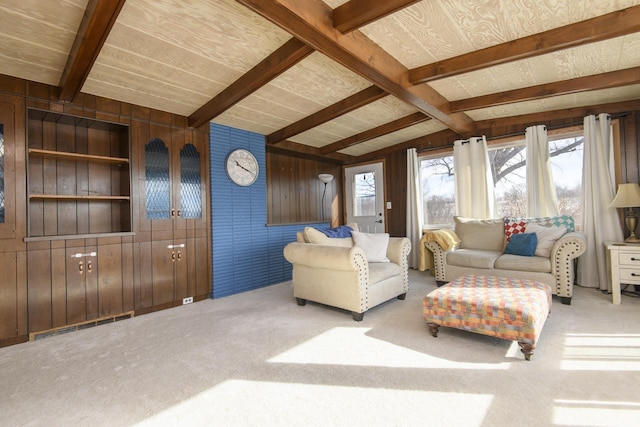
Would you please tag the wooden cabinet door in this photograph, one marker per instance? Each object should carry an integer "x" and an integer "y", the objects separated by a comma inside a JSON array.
[
  {"x": 8, "y": 296},
  {"x": 110, "y": 280},
  {"x": 162, "y": 278},
  {"x": 76, "y": 285},
  {"x": 39, "y": 289}
]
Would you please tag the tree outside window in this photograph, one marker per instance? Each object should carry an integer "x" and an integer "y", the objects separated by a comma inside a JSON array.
[{"x": 509, "y": 174}]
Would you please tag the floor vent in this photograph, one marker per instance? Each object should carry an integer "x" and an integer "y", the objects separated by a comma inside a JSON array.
[{"x": 79, "y": 326}]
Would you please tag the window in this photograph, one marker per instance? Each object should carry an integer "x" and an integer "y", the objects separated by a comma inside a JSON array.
[
  {"x": 365, "y": 194},
  {"x": 508, "y": 163}
]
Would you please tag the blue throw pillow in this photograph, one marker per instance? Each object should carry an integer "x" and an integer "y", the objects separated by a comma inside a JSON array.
[{"x": 522, "y": 244}]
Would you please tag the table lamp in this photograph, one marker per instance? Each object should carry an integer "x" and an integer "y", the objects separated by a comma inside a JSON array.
[{"x": 628, "y": 196}]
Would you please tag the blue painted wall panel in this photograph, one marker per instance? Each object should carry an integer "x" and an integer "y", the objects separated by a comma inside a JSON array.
[{"x": 246, "y": 253}]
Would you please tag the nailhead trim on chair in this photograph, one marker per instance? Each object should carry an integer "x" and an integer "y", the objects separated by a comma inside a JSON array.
[{"x": 363, "y": 279}]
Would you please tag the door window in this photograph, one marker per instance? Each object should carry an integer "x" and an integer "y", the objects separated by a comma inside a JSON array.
[{"x": 364, "y": 196}]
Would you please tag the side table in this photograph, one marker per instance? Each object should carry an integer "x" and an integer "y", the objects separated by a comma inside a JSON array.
[{"x": 623, "y": 262}]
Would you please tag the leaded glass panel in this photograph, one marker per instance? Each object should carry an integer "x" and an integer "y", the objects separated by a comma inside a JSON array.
[
  {"x": 156, "y": 167},
  {"x": 1, "y": 173},
  {"x": 190, "y": 201}
]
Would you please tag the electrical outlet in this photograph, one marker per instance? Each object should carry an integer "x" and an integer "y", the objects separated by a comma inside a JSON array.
[{"x": 187, "y": 300}]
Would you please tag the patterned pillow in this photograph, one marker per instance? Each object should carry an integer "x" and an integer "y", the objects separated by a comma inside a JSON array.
[
  {"x": 519, "y": 225},
  {"x": 514, "y": 226}
]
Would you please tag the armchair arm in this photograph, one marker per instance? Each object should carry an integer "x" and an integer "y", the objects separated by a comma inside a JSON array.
[
  {"x": 398, "y": 250},
  {"x": 563, "y": 252},
  {"x": 327, "y": 257},
  {"x": 398, "y": 253}
]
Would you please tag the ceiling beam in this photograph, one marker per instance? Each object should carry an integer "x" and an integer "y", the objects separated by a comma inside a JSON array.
[
  {"x": 419, "y": 143},
  {"x": 357, "y": 13},
  {"x": 283, "y": 58},
  {"x": 577, "y": 113},
  {"x": 311, "y": 21},
  {"x": 445, "y": 138},
  {"x": 614, "y": 24},
  {"x": 344, "y": 106},
  {"x": 307, "y": 152},
  {"x": 608, "y": 80},
  {"x": 98, "y": 19},
  {"x": 375, "y": 132}
]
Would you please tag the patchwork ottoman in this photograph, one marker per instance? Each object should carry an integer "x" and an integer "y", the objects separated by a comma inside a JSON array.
[{"x": 512, "y": 309}]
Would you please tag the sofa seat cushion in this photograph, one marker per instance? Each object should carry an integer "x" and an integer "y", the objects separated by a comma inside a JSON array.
[
  {"x": 474, "y": 258},
  {"x": 379, "y": 271},
  {"x": 523, "y": 263}
]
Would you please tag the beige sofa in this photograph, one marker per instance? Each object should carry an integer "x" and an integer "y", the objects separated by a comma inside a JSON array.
[
  {"x": 482, "y": 246},
  {"x": 335, "y": 272}
]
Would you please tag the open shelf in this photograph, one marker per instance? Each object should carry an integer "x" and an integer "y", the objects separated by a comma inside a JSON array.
[
  {"x": 79, "y": 177},
  {"x": 77, "y": 156},
  {"x": 71, "y": 197}
]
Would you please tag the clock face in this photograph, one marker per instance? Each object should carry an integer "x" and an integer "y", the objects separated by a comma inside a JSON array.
[{"x": 242, "y": 167}]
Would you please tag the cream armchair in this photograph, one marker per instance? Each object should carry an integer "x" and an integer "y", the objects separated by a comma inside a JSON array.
[{"x": 341, "y": 276}]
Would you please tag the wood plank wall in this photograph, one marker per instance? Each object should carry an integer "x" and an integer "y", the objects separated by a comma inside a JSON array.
[
  {"x": 396, "y": 161},
  {"x": 294, "y": 191},
  {"x": 22, "y": 94}
]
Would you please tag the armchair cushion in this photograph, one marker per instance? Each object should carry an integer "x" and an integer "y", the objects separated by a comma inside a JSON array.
[{"x": 374, "y": 245}]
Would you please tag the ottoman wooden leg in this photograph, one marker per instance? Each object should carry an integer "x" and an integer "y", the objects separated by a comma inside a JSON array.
[
  {"x": 433, "y": 328},
  {"x": 527, "y": 349}
]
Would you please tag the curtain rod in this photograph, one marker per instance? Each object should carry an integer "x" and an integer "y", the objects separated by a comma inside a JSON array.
[{"x": 564, "y": 125}]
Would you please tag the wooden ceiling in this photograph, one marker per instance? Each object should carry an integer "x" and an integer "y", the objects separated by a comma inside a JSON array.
[{"x": 336, "y": 78}]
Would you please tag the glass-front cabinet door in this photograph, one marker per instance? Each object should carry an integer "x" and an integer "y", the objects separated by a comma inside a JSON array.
[
  {"x": 157, "y": 184},
  {"x": 190, "y": 182},
  {"x": 7, "y": 173}
]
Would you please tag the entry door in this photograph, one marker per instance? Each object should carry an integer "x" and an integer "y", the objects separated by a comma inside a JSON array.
[{"x": 364, "y": 195}]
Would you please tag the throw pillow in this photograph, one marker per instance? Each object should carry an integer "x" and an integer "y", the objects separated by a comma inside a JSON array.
[
  {"x": 514, "y": 226},
  {"x": 480, "y": 233},
  {"x": 522, "y": 244},
  {"x": 314, "y": 236},
  {"x": 547, "y": 236},
  {"x": 374, "y": 245}
]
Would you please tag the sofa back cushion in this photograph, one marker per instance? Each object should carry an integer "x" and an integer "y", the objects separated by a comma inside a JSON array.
[{"x": 480, "y": 233}]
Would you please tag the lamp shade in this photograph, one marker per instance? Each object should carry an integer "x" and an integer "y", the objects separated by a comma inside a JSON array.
[
  {"x": 628, "y": 196},
  {"x": 325, "y": 177}
]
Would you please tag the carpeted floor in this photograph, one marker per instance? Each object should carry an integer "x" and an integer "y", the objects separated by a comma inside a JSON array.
[{"x": 258, "y": 359}]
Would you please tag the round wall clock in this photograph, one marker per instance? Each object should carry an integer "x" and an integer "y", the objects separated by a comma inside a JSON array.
[{"x": 242, "y": 167}]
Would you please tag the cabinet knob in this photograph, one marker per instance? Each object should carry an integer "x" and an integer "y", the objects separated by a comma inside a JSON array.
[
  {"x": 635, "y": 275},
  {"x": 635, "y": 259},
  {"x": 173, "y": 213},
  {"x": 89, "y": 266},
  {"x": 179, "y": 255},
  {"x": 173, "y": 256},
  {"x": 80, "y": 267},
  {"x": 179, "y": 212}
]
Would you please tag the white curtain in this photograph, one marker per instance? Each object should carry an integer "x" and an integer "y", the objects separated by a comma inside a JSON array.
[
  {"x": 414, "y": 206},
  {"x": 599, "y": 222},
  {"x": 541, "y": 191},
  {"x": 473, "y": 179}
]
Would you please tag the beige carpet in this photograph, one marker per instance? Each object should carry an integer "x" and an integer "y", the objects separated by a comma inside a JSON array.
[{"x": 258, "y": 359}]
